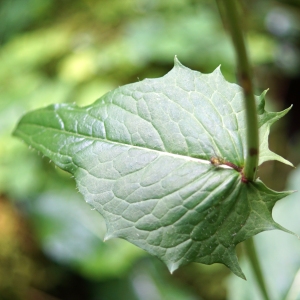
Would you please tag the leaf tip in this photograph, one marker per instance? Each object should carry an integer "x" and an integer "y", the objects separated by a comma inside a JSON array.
[
  {"x": 262, "y": 102},
  {"x": 108, "y": 236},
  {"x": 217, "y": 71},
  {"x": 230, "y": 260},
  {"x": 237, "y": 271},
  {"x": 279, "y": 227},
  {"x": 172, "y": 267},
  {"x": 177, "y": 63}
]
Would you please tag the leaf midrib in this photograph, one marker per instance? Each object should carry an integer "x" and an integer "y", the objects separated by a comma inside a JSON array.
[{"x": 189, "y": 158}]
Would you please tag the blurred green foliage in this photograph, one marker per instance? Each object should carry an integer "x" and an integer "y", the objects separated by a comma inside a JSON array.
[{"x": 75, "y": 51}]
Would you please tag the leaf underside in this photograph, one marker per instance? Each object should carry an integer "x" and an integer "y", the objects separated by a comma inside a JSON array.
[{"x": 141, "y": 156}]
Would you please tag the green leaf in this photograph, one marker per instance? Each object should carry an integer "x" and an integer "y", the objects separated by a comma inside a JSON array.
[{"x": 141, "y": 156}]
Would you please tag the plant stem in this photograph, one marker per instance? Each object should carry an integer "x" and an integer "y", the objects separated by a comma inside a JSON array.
[
  {"x": 245, "y": 80},
  {"x": 252, "y": 255}
]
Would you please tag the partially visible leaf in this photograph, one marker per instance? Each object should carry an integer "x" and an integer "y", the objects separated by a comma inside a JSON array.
[
  {"x": 266, "y": 119},
  {"x": 80, "y": 228},
  {"x": 141, "y": 156}
]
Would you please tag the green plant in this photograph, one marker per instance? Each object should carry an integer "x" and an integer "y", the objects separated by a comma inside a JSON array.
[{"x": 170, "y": 163}]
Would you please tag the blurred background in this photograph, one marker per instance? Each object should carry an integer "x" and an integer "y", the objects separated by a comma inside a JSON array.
[{"x": 75, "y": 51}]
